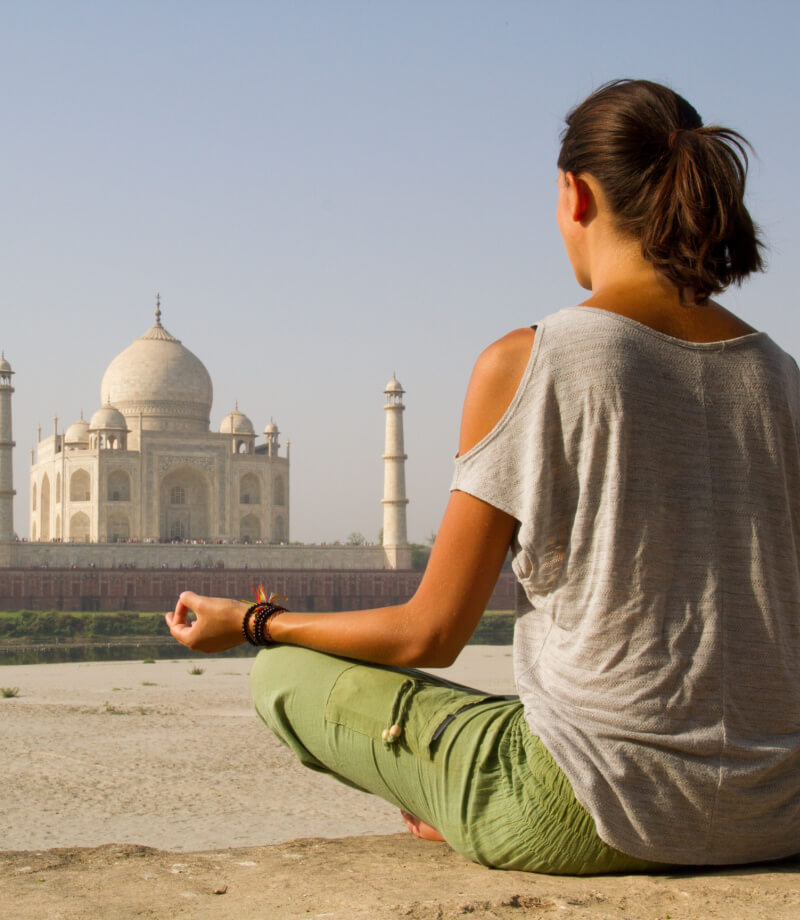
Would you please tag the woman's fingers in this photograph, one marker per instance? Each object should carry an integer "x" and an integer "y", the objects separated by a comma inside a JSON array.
[
  {"x": 180, "y": 615},
  {"x": 178, "y": 619},
  {"x": 217, "y": 625},
  {"x": 191, "y": 601},
  {"x": 179, "y": 628}
]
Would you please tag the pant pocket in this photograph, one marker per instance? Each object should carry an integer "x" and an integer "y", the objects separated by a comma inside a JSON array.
[
  {"x": 365, "y": 699},
  {"x": 451, "y": 717},
  {"x": 396, "y": 707}
]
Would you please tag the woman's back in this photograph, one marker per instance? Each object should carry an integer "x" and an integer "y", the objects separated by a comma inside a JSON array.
[{"x": 658, "y": 643}]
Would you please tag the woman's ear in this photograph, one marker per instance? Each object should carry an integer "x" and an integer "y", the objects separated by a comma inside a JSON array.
[{"x": 579, "y": 197}]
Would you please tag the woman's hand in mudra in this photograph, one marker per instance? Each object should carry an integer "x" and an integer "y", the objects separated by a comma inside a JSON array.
[{"x": 217, "y": 626}]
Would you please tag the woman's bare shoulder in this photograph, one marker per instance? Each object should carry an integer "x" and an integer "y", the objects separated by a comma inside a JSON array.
[
  {"x": 495, "y": 379},
  {"x": 514, "y": 348}
]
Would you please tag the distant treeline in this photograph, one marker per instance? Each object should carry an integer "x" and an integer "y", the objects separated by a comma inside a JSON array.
[
  {"x": 495, "y": 628},
  {"x": 56, "y": 624}
]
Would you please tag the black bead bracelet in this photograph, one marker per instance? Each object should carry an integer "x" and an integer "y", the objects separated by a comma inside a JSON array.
[{"x": 262, "y": 615}]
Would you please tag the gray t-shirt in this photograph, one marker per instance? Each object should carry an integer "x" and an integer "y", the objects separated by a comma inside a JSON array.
[{"x": 656, "y": 484}]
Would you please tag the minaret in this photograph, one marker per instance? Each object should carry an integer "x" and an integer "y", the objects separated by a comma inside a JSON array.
[
  {"x": 6, "y": 446},
  {"x": 271, "y": 435},
  {"x": 395, "y": 539}
]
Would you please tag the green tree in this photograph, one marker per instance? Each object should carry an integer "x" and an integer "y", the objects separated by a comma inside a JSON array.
[{"x": 419, "y": 556}]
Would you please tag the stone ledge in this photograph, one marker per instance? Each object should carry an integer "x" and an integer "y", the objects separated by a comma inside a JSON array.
[{"x": 365, "y": 877}]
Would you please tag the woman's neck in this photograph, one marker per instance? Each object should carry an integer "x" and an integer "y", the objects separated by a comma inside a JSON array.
[{"x": 639, "y": 292}]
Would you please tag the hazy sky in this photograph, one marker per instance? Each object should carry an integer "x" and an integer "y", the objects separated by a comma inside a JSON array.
[{"x": 327, "y": 192}]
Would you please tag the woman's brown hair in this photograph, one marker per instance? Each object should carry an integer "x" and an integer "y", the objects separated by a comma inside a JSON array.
[{"x": 673, "y": 183}]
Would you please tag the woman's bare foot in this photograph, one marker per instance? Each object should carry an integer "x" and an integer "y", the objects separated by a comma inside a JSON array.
[{"x": 420, "y": 828}]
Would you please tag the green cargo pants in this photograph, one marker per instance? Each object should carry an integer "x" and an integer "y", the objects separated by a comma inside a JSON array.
[{"x": 463, "y": 761}]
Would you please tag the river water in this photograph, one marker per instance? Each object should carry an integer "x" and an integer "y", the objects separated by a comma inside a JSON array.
[{"x": 107, "y": 651}]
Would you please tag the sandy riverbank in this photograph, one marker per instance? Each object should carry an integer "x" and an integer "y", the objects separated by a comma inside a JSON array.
[{"x": 151, "y": 754}]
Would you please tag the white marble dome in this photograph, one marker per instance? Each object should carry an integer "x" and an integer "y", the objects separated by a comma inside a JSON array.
[
  {"x": 236, "y": 422},
  {"x": 160, "y": 381},
  {"x": 393, "y": 386},
  {"x": 77, "y": 435},
  {"x": 107, "y": 419}
]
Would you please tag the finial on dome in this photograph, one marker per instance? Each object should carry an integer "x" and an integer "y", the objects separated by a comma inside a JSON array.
[
  {"x": 236, "y": 405},
  {"x": 158, "y": 309}
]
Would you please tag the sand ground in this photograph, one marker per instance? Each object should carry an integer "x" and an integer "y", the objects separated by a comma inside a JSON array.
[{"x": 132, "y": 790}]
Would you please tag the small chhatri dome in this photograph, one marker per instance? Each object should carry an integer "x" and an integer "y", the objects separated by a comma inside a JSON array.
[
  {"x": 5, "y": 367},
  {"x": 271, "y": 428},
  {"x": 236, "y": 422},
  {"x": 107, "y": 419},
  {"x": 77, "y": 433},
  {"x": 394, "y": 386},
  {"x": 160, "y": 381}
]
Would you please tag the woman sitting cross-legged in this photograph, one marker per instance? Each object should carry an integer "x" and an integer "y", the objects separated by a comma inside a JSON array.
[{"x": 639, "y": 455}]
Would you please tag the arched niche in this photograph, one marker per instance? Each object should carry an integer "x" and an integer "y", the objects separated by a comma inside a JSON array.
[
  {"x": 45, "y": 513},
  {"x": 118, "y": 486},
  {"x": 279, "y": 491},
  {"x": 79, "y": 527},
  {"x": 58, "y": 488},
  {"x": 185, "y": 504},
  {"x": 249, "y": 528},
  {"x": 178, "y": 529},
  {"x": 80, "y": 486},
  {"x": 279, "y": 530},
  {"x": 249, "y": 490},
  {"x": 118, "y": 528},
  {"x": 33, "y": 498}
]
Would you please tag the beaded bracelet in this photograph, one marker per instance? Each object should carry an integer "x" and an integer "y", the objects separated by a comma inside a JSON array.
[
  {"x": 262, "y": 615},
  {"x": 267, "y": 638},
  {"x": 246, "y": 622},
  {"x": 259, "y": 619}
]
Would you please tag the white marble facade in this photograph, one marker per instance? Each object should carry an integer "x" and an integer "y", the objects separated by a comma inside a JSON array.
[{"x": 147, "y": 467}]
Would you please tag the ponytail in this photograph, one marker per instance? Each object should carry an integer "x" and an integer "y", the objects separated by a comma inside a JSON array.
[{"x": 672, "y": 183}]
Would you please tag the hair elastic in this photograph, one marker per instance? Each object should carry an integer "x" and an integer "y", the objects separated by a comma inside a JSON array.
[{"x": 674, "y": 136}]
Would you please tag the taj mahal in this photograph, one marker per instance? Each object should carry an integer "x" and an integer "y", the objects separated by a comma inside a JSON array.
[
  {"x": 146, "y": 483},
  {"x": 147, "y": 467}
]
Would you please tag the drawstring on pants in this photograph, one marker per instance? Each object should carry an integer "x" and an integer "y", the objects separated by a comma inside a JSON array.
[{"x": 400, "y": 711}]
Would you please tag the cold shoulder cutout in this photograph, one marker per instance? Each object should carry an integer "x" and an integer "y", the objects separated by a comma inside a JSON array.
[{"x": 494, "y": 382}]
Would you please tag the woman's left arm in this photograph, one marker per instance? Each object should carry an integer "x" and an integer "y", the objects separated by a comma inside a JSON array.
[{"x": 432, "y": 627}]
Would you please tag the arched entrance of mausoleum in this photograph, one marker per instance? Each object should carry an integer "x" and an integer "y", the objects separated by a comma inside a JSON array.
[{"x": 184, "y": 505}]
